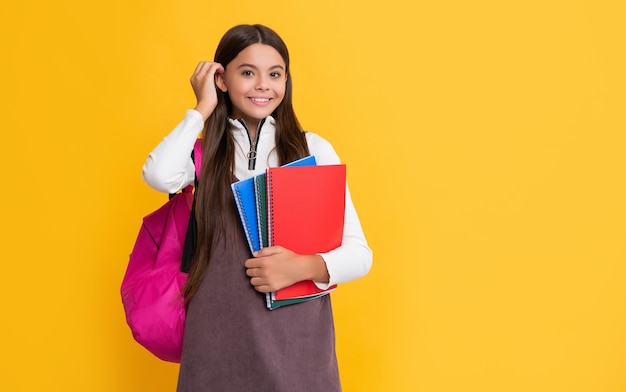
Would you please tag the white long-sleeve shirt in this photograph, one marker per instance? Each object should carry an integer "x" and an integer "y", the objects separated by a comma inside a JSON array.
[{"x": 169, "y": 168}]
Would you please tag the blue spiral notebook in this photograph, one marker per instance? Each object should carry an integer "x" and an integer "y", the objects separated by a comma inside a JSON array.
[{"x": 245, "y": 199}]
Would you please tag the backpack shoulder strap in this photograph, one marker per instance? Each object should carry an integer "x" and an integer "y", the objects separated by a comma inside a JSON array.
[
  {"x": 197, "y": 156},
  {"x": 192, "y": 228}
]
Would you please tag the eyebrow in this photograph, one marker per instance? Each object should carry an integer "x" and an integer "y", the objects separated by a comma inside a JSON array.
[{"x": 255, "y": 67}]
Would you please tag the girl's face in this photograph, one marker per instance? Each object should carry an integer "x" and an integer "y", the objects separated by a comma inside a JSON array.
[{"x": 255, "y": 81}]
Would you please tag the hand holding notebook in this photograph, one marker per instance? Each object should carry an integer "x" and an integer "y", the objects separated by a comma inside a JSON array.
[{"x": 300, "y": 208}]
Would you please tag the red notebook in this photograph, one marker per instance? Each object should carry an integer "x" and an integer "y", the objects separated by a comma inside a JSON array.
[{"x": 306, "y": 207}]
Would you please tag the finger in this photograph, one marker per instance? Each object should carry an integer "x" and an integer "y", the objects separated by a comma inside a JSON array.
[
  {"x": 253, "y": 272},
  {"x": 219, "y": 68},
  {"x": 268, "y": 251},
  {"x": 259, "y": 282},
  {"x": 252, "y": 263},
  {"x": 214, "y": 69},
  {"x": 262, "y": 288},
  {"x": 201, "y": 65},
  {"x": 195, "y": 71},
  {"x": 204, "y": 69}
]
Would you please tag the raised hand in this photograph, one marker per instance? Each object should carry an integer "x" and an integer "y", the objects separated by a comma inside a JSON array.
[{"x": 203, "y": 84}]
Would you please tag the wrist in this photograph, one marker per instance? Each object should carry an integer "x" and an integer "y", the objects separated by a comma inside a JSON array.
[
  {"x": 315, "y": 268},
  {"x": 204, "y": 109}
]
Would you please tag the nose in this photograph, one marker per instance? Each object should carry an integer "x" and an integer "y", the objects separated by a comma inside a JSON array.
[{"x": 261, "y": 83}]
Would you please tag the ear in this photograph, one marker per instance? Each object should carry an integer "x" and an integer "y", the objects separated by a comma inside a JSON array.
[{"x": 219, "y": 81}]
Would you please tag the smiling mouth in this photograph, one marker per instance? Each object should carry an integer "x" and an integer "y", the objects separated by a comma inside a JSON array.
[{"x": 260, "y": 100}]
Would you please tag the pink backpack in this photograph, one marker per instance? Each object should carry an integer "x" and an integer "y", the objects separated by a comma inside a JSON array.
[{"x": 152, "y": 286}]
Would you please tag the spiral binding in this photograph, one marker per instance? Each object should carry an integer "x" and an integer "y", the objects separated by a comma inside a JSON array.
[
  {"x": 243, "y": 218},
  {"x": 270, "y": 209},
  {"x": 261, "y": 213}
]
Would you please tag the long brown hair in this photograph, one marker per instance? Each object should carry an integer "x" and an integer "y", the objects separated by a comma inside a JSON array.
[{"x": 214, "y": 199}]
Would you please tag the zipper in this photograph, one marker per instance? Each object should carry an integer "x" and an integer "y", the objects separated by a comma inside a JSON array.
[{"x": 253, "y": 144}]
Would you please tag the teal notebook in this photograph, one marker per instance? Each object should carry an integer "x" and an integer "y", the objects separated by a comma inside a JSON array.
[
  {"x": 274, "y": 303},
  {"x": 261, "y": 208}
]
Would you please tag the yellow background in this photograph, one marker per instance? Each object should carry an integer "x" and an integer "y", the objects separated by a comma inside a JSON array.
[{"x": 485, "y": 146}]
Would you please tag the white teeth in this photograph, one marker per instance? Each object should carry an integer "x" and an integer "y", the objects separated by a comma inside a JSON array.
[{"x": 261, "y": 99}]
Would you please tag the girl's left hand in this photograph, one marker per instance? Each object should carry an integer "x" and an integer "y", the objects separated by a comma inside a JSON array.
[{"x": 274, "y": 268}]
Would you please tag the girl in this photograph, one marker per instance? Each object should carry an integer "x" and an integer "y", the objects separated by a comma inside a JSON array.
[{"x": 232, "y": 342}]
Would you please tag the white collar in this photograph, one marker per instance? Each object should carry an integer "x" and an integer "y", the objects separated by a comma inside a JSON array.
[{"x": 236, "y": 124}]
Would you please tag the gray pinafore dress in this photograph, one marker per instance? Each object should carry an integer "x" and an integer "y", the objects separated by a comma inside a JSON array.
[{"x": 233, "y": 343}]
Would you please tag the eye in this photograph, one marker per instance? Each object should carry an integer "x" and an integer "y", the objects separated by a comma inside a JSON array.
[
  {"x": 275, "y": 74},
  {"x": 247, "y": 73}
]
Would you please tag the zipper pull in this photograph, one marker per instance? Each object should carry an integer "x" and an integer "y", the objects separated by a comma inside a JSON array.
[
  {"x": 253, "y": 143},
  {"x": 252, "y": 157},
  {"x": 253, "y": 146}
]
